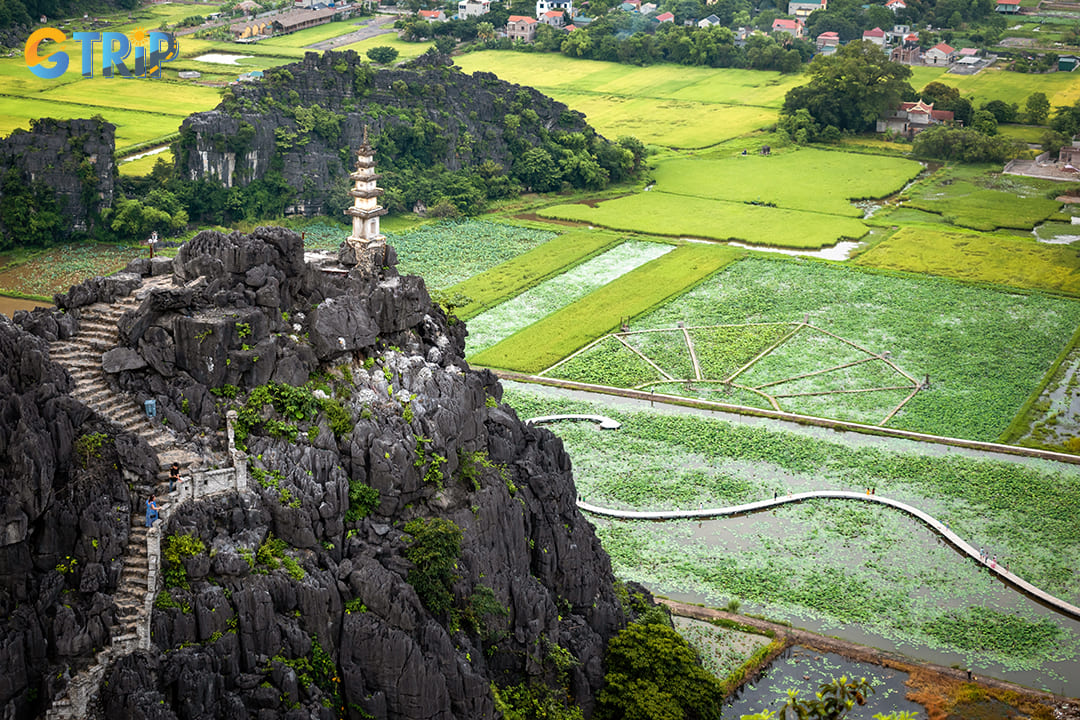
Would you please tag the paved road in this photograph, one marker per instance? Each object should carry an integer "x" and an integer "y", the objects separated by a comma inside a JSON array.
[{"x": 378, "y": 25}]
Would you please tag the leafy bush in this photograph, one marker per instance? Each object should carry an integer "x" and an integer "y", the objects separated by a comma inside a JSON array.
[
  {"x": 363, "y": 499},
  {"x": 433, "y": 550},
  {"x": 89, "y": 446},
  {"x": 653, "y": 672},
  {"x": 178, "y": 547}
]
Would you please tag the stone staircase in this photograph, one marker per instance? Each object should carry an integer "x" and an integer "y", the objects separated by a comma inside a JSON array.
[{"x": 81, "y": 356}]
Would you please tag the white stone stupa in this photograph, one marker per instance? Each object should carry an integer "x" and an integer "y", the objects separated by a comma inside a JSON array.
[{"x": 366, "y": 241}]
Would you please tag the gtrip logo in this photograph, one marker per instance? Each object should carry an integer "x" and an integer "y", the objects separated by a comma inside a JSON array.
[{"x": 151, "y": 50}]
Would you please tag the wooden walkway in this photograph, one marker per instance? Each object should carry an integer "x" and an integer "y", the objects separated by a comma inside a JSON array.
[{"x": 935, "y": 525}]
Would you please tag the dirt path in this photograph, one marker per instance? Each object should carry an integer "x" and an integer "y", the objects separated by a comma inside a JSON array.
[
  {"x": 378, "y": 26},
  {"x": 928, "y": 673}
]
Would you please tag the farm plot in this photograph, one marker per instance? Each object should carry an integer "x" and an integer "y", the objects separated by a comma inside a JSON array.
[
  {"x": 558, "y": 335},
  {"x": 449, "y": 252},
  {"x": 513, "y": 315},
  {"x": 834, "y": 564},
  {"x": 722, "y": 650},
  {"x": 660, "y": 213},
  {"x": 670, "y": 105},
  {"x": 518, "y": 274},
  {"x": 840, "y": 380},
  {"x": 956, "y": 334},
  {"x": 781, "y": 179},
  {"x": 979, "y": 258},
  {"x": 975, "y": 199},
  {"x": 56, "y": 270}
]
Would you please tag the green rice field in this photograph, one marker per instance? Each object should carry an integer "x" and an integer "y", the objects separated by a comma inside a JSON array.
[
  {"x": 557, "y": 335},
  {"x": 980, "y": 258},
  {"x": 661, "y": 213}
]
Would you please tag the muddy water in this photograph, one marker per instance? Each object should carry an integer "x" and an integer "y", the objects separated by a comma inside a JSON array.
[
  {"x": 8, "y": 305},
  {"x": 805, "y": 670}
]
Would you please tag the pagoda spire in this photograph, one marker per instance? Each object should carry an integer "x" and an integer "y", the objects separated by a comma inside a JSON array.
[{"x": 365, "y": 210}]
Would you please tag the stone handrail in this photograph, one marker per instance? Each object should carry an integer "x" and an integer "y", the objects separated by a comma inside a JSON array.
[{"x": 935, "y": 525}]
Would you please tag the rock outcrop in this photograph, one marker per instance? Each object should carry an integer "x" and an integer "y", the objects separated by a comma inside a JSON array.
[
  {"x": 64, "y": 520},
  {"x": 407, "y": 542},
  {"x": 305, "y": 119},
  {"x": 61, "y": 168}
]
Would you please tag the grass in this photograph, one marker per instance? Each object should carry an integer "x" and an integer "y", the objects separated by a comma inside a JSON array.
[
  {"x": 559, "y": 334},
  {"x": 796, "y": 179},
  {"x": 984, "y": 350},
  {"x": 132, "y": 127},
  {"x": 44, "y": 273},
  {"x": 670, "y": 105},
  {"x": 980, "y": 198},
  {"x": 310, "y": 36},
  {"x": 489, "y": 288},
  {"x": 406, "y": 50},
  {"x": 660, "y": 213},
  {"x": 979, "y": 258},
  {"x": 1000, "y": 84},
  {"x": 144, "y": 165}
]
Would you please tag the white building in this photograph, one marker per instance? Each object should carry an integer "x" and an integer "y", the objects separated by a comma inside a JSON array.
[{"x": 543, "y": 7}]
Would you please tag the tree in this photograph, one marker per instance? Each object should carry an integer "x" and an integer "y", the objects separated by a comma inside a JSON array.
[
  {"x": 1067, "y": 120},
  {"x": 1002, "y": 111},
  {"x": 383, "y": 54},
  {"x": 962, "y": 144},
  {"x": 537, "y": 170},
  {"x": 653, "y": 673},
  {"x": 985, "y": 122},
  {"x": 833, "y": 701},
  {"x": 851, "y": 89},
  {"x": 1038, "y": 108},
  {"x": 445, "y": 45}
]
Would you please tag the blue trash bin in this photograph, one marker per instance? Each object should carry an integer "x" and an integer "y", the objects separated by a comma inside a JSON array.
[{"x": 151, "y": 408}]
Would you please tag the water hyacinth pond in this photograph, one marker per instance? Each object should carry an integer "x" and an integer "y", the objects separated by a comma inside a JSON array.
[{"x": 862, "y": 572}]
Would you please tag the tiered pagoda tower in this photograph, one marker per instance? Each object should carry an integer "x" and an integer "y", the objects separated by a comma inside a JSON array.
[{"x": 366, "y": 209}]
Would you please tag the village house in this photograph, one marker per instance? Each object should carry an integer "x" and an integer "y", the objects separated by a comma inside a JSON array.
[
  {"x": 802, "y": 8},
  {"x": 1009, "y": 7},
  {"x": 908, "y": 51},
  {"x": 896, "y": 5},
  {"x": 433, "y": 15},
  {"x": 876, "y": 36},
  {"x": 794, "y": 28},
  {"x": 1069, "y": 155},
  {"x": 896, "y": 34},
  {"x": 647, "y": 8},
  {"x": 546, "y": 6},
  {"x": 940, "y": 54},
  {"x": 911, "y": 118},
  {"x": 708, "y": 21},
  {"x": 665, "y": 17},
  {"x": 249, "y": 6},
  {"x": 296, "y": 20},
  {"x": 473, "y": 8},
  {"x": 554, "y": 18},
  {"x": 521, "y": 27},
  {"x": 248, "y": 30},
  {"x": 827, "y": 39}
]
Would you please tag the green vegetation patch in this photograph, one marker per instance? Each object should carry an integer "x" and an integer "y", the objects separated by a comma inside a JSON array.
[
  {"x": 608, "y": 362},
  {"x": 450, "y": 252},
  {"x": 833, "y": 562},
  {"x": 660, "y": 213},
  {"x": 957, "y": 334},
  {"x": 805, "y": 179},
  {"x": 489, "y": 288},
  {"x": 970, "y": 198},
  {"x": 558, "y": 335},
  {"x": 981, "y": 628},
  {"x": 723, "y": 350},
  {"x": 980, "y": 258}
]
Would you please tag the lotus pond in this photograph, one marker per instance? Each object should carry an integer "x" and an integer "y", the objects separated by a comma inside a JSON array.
[{"x": 861, "y": 572}]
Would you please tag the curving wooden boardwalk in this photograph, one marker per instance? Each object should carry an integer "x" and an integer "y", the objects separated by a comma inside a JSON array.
[
  {"x": 935, "y": 525},
  {"x": 603, "y": 421}
]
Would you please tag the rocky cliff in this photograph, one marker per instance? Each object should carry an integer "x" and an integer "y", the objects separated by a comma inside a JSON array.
[
  {"x": 407, "y": 544},
  {"x": 55, "y": 179},
  {"x": 305, "y": 120},
  {"x": 64, "y": 519}
]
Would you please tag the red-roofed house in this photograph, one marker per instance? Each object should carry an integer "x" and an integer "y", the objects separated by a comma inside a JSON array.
[
  {"x": 665, "y": 17},
  {"x": 828, "y": 39},
  {"x": 433, "y": 15},
  {"x": 791, "y": 27},
  {"x": 554, "y": 18},
  {"x": 911, "y": 118},
  {"x": 521, "y": 27},
  {"x": 876, "y": 36},
  {"x": 896, "y": 5},
  {"x": 940, "y": 54},
  {"x": 969, "y": 52},
  {"x": 1010, "y": 7}
]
